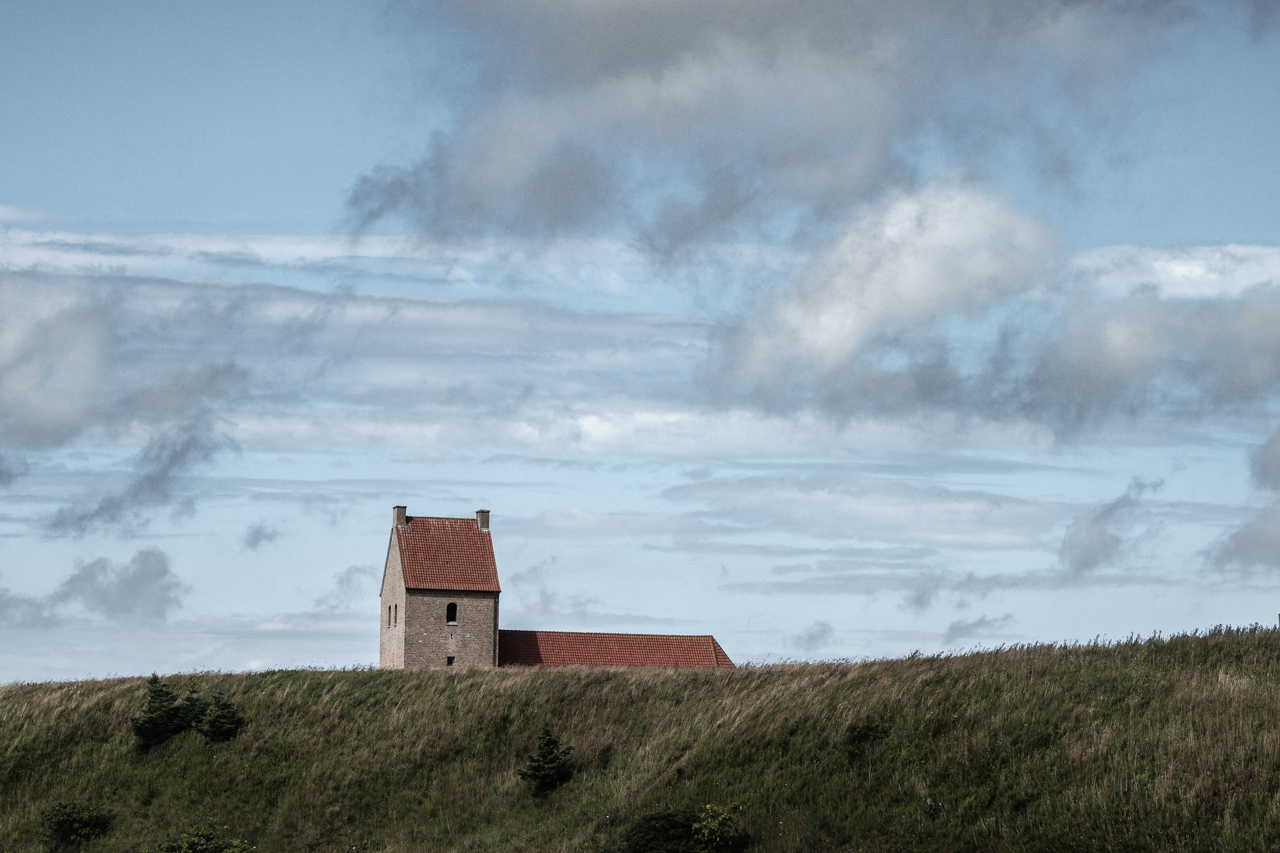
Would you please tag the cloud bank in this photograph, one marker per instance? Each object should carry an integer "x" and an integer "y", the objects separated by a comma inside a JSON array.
[{"x": 683, "y": 123}]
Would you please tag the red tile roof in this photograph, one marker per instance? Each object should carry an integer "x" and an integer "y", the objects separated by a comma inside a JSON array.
[
  {"x": 564, "y": 648},
  {"x": 447, "y": 553}
]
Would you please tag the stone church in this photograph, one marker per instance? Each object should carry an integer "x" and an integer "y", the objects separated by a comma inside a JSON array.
[{"x": 440, "y": 609}]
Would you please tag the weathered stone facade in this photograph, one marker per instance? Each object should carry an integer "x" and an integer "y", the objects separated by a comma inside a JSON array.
[
  {"x": 431, "y": 641},
  {"x": 391, "y": 647}
]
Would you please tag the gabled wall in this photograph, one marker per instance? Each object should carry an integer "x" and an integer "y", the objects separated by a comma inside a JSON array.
[{"x": 391, "y": 645}]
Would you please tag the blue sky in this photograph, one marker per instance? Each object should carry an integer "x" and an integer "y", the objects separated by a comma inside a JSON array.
[{"x": 837, "y": 331}]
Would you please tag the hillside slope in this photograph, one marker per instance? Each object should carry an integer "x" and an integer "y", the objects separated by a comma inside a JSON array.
[{"x": 1163, "y": 745}]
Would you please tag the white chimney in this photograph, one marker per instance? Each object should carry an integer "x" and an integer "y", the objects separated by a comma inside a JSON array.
[
  {"x": 482, "y": 519},
  {"x": 398, "y": 516}
]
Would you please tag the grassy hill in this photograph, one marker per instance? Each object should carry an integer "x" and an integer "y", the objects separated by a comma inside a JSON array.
[{"x": 1166, "y": 744}]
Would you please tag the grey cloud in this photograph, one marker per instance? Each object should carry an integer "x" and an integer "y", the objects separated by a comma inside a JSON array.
[
  {"x": 53, "y": 356},
  {"x": 921, "y": 586},
  {"x": 158, "y": 471},
  {"x": 143, "y": 590},
  {"x": 349, "y": 586},
  {"x": 1264, "y": 463},
  {"x": 11, "y": 468},
  {"x": 258, "y": 535},
  {"x": 99, "y": 247},
  {"x": 815, "y": 637},
  {"x": 178, "y": 366},
  {"x": 983, "y": 626},
  {"x": 922, "y": 596},
  {"x": 1256, "y": 543},
  {"x": 230, "y": 259},
  {"x": 682, "y": 123},
  {"x": 539, "y": 604},
  {"x": 1100, "y": 536},
  {"x": 837, "y": 504},
  {"x": 24, "y": 611},
  {"x": 72, "y": 364}
]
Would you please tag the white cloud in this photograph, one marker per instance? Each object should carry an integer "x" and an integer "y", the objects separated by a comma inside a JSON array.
[
  {"x": 946, "y": 249},
  {"x": 1191, "y": 272}
]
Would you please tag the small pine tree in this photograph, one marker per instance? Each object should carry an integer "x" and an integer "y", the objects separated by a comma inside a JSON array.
[
  {"x": 161, "y": 719},
  {"x": 67, "y": 825},
  {"x": 165, "y": 715},
  {"x": 223, "y": 721},
  {"x": 547, "y": 767}
]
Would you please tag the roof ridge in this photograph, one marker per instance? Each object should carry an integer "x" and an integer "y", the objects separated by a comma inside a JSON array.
[{"x": 609, "y": 633}]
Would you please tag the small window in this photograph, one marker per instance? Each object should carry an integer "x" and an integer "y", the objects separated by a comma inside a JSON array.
[
  {"x": 448, "y": 661},
  {"x": 396, "y": 618},
  {"x": 388, "y": 617},
  {"x": 451, "y": 614}
]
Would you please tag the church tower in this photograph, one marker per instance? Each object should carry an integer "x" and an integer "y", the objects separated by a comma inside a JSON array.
[{"x": 439, "y": 594}]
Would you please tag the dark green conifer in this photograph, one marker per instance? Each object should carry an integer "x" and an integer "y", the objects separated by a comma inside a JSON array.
[
  {"x": 223, "y": 721},
  {"x": 162, "y": 718},
  {"x": 547, "y": 767}
]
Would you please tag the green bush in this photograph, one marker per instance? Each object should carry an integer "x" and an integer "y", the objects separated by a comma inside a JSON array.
[
  {"x": 713, "y": 830},
  {"x": 223, "y": 721},
  {"x": 68, "y": 825},
  {"x": 547, "y": 767},
  {"x": 663, "y": 831},
  {"x": 202, "y": 840},
  {"x": 716, "y": 830}
]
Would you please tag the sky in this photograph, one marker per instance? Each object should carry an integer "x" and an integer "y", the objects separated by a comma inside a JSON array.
[{"x": 838, "y": 330}]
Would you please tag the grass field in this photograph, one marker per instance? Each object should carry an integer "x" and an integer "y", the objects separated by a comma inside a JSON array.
[{"x": 1163, "y": 744}]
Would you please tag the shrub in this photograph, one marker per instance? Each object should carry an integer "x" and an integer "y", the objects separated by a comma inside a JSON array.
[
  {"x": 67, "y": 825},
  {"x": 547, "y": 767},
  {"x": 223, "y": 721},
  {"x": 202, "y": 840},
  {"x": 713, "y": 830},
  {"x": 716, "y": 830},
  {"x": 665, "y": 831}
]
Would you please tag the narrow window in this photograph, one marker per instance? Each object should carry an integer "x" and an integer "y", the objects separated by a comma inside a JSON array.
[
  {"x": 396, "y": 619},
  {"x": 448, "y": 661},
  {"x": 388, "y": 617},
  {"x": 451, "y": 615}
]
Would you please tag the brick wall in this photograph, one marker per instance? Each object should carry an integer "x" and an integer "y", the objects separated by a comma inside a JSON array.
[{"x": 428, "y": 641}]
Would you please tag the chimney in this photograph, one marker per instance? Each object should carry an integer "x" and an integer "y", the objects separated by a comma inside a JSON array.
[
  {"x": 398, "y": 517},
  {"x": 482, "y": 519}
]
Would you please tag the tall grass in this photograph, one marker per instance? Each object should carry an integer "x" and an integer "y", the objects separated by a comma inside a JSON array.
[{"x": 1162, "y": 744}]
